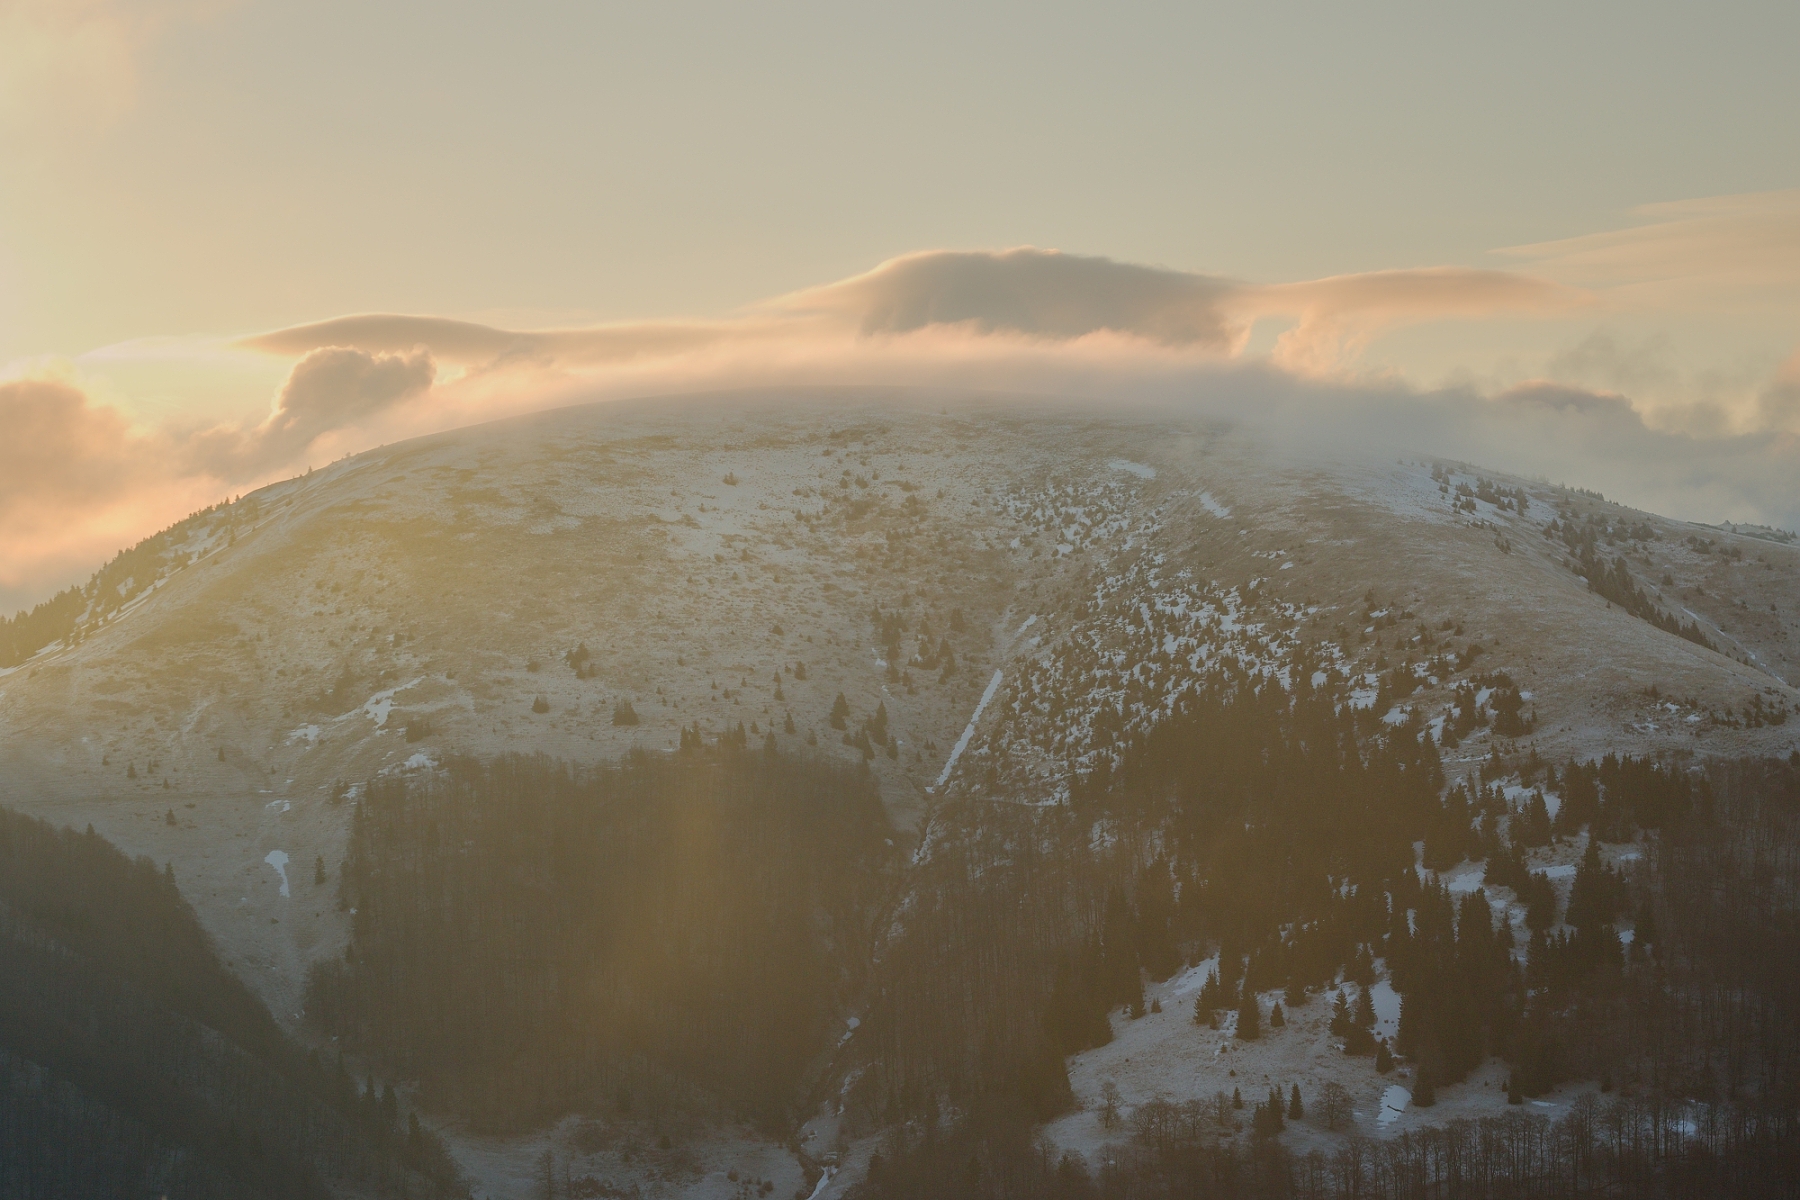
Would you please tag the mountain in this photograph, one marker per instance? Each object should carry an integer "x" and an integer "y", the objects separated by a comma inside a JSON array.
[{"x": 1011, "y": 595}]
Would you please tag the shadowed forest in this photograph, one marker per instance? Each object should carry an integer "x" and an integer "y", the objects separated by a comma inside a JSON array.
[
  {"x": 133, "y": 1063},
  {"x": 693, "y": 930}
]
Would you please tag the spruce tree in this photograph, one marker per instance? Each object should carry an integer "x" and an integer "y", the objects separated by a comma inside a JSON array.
[
  {"x": 1365, "y": 1010},
  {"x": 1276, "y": 1019},
  {"x": 1296, "y": 1110},
  {"x": 1249, "y": 1020},
  {"x": 1340, "y": 1015}
]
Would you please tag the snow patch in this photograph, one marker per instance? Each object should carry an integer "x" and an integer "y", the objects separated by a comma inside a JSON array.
[
  {"x": 1393, "y": 1102},
  {"x": 381, "y": 704},
  {"x": 279, "y": 860},
  {"x": 1386, "y": 1003},
  {"x": 962, "y": 743},
  {"x": 1212, "y": 505},
  {"x": 1133, "y": 468}
]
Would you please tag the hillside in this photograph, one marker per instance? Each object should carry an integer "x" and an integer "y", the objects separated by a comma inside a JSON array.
[{"x": 1005, "y": 592}]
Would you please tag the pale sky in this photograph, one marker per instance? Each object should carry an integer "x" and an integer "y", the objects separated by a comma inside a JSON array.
[{"x": 1600, "y": 196}]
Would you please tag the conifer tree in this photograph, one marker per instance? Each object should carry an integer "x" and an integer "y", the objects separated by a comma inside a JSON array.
[
  {"x": 1276, "y": 1019},
  {"x": 1249, "y": 1017},
  {"x": 1340, "y": 1015},
  {"x": 1365, "y": 1010},
  {"x": 1296, "y": 1110}
]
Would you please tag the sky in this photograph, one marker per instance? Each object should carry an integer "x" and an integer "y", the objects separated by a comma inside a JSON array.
[{"x": 1554, "y": 239}]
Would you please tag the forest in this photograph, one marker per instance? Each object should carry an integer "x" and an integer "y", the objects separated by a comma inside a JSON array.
[
  {"x": 133, "y": 1063},
  {"x": 671, "y": 931},
  {"x": 1281, "y": 826},
  {"x": 693, "y": 929}
]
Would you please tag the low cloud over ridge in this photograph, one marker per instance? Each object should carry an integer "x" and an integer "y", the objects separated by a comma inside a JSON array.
[{"x": 1024, "y": 320}]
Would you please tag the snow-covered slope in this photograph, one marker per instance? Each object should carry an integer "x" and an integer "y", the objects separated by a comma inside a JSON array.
[
  {"x": 745, "y": 559},
  {"x": 419, "y": 599}
]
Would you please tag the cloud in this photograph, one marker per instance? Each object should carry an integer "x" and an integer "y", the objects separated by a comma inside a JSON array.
[
  {"x": 76, "y": 484},
  {"x": 1036, "y": 293},
  {"x": 58, "y": 451},
  {"x": 1780, "y": 401},
  {"x": 1340, "y": 315},
  {"x": 1100, "y": 333},
  {"x": 329, "y": 390},
  {"x": 468, "y": 343},
  {"x": 1744, "y": 247}
]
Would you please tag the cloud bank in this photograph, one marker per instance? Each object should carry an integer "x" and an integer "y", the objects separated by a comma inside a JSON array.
[{"x": 1022, "y": 320}]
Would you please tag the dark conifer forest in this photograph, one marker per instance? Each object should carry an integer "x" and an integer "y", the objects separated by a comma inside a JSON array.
[
  {"x": 1283, "y": 828},
  {"x": 133, "y": 1063},
  {"x": 692, "y": 930},
  {"x": 530, "y": 937}
]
